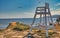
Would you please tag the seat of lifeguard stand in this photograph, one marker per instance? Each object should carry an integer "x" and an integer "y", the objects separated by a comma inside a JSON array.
[{"x": 50, "y": 26}]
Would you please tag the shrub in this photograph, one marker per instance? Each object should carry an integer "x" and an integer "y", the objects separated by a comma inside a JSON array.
[
  {"x": 51, "y": 33},
  {"x": 21, "y": 26},
  {"x": 1, "y": 30}
]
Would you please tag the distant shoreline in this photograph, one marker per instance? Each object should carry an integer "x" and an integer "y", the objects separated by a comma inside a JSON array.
[{"x": 4, "y": 22}]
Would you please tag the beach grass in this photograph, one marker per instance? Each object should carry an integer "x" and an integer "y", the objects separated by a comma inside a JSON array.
[{"x": 19, "y": 30}]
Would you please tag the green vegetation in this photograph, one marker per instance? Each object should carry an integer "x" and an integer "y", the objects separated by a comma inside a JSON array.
[
  {"x": 17, "y": 26},
  {"x": 21, "y": 27},
  {"x": 43, "y": 34},
  {"x": 51, "y": 33},
  {"x": 10, "y": 26},
  {"x": 1, "y": 30}
]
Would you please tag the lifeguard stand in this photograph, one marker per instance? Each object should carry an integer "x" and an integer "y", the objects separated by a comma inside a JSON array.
[{"x": 43, "y": 12}]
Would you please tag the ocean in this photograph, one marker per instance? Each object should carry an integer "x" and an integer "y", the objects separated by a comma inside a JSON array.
[{"x": 5, "y": 22}]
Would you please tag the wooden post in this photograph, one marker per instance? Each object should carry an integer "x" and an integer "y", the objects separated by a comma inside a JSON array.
[{"x": 43, "y": 11}]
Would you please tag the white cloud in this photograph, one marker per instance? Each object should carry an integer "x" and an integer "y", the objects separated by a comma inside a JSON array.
[
  {"x": 29, "y": 15},
  {"x": 55, "y": 12},
  {"x": 58, "y": 4},
  {"x": 17, "y": 15},
  {"x": 51, "y": 9},
  {"x": 20, "y": 15},
  {"x": 25, "y": 14}
]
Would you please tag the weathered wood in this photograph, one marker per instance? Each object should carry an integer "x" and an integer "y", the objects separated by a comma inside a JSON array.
[{"x": 43, "y": 11}]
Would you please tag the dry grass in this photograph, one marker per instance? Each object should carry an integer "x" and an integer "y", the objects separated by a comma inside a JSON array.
[{"x": 21, "y": 34}]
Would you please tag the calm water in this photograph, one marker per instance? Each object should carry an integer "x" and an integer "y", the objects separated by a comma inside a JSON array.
[{"x": 5, "y": 22}]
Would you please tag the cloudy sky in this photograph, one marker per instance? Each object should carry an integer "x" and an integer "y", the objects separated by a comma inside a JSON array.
[{"x": 25, "y": 8}]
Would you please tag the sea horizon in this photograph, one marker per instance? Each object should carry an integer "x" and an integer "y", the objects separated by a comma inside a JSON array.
[{"x": 5, "y": 22}]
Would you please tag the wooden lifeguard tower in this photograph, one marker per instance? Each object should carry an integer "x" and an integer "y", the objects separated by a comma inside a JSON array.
[{"x": 43, "y": 12}]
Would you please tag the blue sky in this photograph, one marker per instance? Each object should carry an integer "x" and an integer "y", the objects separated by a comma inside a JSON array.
[{"x": 25, "y": 8}]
